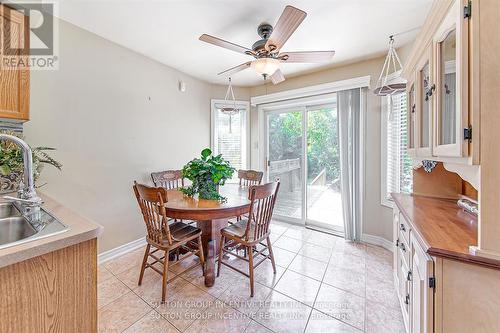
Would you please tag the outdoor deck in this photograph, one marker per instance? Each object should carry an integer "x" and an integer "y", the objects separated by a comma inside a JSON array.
[{"x": 324, "y": 204}]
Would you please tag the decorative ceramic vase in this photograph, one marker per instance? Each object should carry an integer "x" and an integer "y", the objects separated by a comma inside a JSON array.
[{"x": 10, "y": 183}]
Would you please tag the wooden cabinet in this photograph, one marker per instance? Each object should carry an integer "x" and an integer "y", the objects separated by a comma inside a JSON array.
[
  {"x": 451, "y": 115},
  {"x": 438, "y": 74},
  {"x": 422, "y": 293},
  {"x": 413, "y": 275},
  {"x": 14, "y": 80},
  {"x": 424, "y": 107}
]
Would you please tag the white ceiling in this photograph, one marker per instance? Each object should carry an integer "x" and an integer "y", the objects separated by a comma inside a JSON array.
[{"x": 168, "y": 30}]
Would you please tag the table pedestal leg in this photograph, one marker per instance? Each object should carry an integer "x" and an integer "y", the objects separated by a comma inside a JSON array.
[{"x": 210, "y": 237}]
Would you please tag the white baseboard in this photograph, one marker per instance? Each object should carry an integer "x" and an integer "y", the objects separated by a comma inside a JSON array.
[
  {"x": 120, "y": 250},
  {"x": 377, "y": 240}
]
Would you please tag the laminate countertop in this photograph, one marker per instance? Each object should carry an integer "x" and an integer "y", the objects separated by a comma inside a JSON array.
[
  {"x": 443, "y": 228},
  {"x": 80, "y": 230}
]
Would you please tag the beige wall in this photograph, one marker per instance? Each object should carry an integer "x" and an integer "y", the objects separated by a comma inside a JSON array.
[
  {"x": 114, "y": 116},
  {"x": 378, "y": 218}
]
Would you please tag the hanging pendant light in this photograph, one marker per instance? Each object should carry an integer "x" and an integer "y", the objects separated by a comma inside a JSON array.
[
  {"x": 391, "y": 62},
  {"x": 230, "y": 108}
]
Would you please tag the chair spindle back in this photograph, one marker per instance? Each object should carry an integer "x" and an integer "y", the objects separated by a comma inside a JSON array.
[
  {"x": 168, "y": 179},
  {"x": 262, "y": 198},
  {"x": 152, "y": 201},
  {"x": 250, "y": 177}
]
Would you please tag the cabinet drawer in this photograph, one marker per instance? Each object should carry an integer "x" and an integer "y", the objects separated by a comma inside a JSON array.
[
  {"x": 404, "y": 228},
  {"x": 404, "y": 290},
  {"x": 404, "y": 249}
]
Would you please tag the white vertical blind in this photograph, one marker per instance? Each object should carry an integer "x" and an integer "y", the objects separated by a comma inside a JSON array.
[
  {"x": 398, "y": 162},
  {"x": 229, "y": 136}
]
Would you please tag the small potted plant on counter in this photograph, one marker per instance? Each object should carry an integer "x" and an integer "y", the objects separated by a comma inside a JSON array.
[
  {"x": 11, "y": 163},
  {"x": 207, "y": 174}
]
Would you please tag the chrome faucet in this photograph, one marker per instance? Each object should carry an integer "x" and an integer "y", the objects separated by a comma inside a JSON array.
[{"x": 27, "y": 194}]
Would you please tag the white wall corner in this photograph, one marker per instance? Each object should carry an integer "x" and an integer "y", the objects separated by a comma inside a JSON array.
[
  {"x": 121, "y": 250},
  {"x": 379, "y": 241}
]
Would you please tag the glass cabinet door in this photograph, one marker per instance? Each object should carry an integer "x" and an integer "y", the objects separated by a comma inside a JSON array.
[
  {"x": 446, "y": 117},
  {"x": 451, "y": 116},
  {"x": 425, "y": 90},
  {"x": 411, "y": 117}
]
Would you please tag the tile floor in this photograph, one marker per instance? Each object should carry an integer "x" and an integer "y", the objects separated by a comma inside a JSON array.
[{"x": 323, "y": 284}]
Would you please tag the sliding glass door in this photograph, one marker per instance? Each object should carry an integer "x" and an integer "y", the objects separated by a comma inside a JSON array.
[
  {"x": 285, "y": 130},
  {"x": 303, "y": 151},
  {"x": 323, "y": 197}
]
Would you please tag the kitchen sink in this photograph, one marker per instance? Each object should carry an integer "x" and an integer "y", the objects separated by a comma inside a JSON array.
[
  {"x": 13, "y": 229},
  {"x": 17, "y": 229},
  {"x": 7, "y": 209}
]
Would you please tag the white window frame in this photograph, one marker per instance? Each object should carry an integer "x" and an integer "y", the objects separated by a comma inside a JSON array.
[
  {"x": 384, "y": 107},
  {"x": 244, "y": 106}
]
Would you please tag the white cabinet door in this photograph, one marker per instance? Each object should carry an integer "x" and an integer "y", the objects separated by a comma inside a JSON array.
[
  {"x": 422, "y": 295},
  {"x": 451, "y": 114},
  {"x": 424, "y": 96}
]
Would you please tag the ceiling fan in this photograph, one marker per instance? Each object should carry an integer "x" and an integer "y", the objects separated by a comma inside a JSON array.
[{"x": 266, "y": 51}]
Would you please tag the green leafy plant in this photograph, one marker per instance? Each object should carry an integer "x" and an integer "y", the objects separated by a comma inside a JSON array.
[
  {"x": 11, "y": 157},
  {"x": 207, "y": 174}
]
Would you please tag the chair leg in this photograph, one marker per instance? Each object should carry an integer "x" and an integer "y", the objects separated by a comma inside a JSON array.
[
  {"x": 144, "y": 261},
  {"x": 271, "y": 255},
  {"x": 221, "y": 246},
  {"x": 165, "y": 277},
  {"x": 201, "y": 255},
  {"x": 250, "y": 268}
]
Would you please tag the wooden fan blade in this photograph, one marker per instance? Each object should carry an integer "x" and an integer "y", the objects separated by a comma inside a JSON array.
[
  {"x": 225, "y": 44},
  {"x": 236, "y": 69},
  {"x": 277, "y": 77},
  {"x": 307, "y": 57},
  {"x": 288, "y": 22}
]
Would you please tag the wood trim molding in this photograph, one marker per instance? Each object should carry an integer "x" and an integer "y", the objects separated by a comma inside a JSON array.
[
  {"x": 436, "y": 14},
  {"x": 320, "y": 89},
  {"x": 377, "y": 240},
  {"x": 121, "y": 250}
]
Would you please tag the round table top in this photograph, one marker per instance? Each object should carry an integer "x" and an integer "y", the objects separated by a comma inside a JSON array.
[{"x": 237, "y": 203}]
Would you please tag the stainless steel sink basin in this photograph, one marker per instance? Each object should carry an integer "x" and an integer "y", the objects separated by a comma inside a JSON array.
[
  {"x": 16, "y": 229},
  {"x": 13, "y": 229},
  {"x": 7, "y": 209}
]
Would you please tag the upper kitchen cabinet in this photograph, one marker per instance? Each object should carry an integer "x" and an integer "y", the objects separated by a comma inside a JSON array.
[
  {"x": 14, "y": 79},
  {"x": 411, "y": 116},
  {"x": 424, "y": 91},
  {"x": 438, "y": 70},
  {"x": 451, "y": 47}
]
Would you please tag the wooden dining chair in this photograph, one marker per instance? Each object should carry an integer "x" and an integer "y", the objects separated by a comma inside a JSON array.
[
  {"x": 168, "y": 179},
  {"x": 163, "y": 236},
  {"x": 249, "y": 233},
  {"x": 250, "y": 177}
]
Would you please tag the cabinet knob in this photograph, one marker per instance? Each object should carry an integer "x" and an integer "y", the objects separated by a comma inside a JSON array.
[
  {"x": 408, "y": 276},
  {"x": 402, "y": 227},
  {"x": 402, "y": 246},
  {"x": 407, "y": 299}
]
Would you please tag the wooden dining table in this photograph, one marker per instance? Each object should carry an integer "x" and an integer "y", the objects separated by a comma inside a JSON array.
[{"x": 211, "y": 216}]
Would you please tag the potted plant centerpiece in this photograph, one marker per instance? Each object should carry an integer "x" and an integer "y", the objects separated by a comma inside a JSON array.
[
  {"x": 207, "y": 174},
  {"x": 12, "y": 165}
]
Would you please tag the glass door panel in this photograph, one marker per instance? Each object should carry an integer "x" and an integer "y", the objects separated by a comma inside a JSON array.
[
  {"x": 411, "y": 117},
  {"x": 424, "y": 77},
  {"x": 285, "y": 160},
  {"x": 447, "y": 90},
  {"x": 323, "y": 199}
]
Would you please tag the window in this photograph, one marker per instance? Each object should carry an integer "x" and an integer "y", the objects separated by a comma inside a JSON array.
[
  {"x": 396, "y": 163},
  {"x": 230, "y": 134}
]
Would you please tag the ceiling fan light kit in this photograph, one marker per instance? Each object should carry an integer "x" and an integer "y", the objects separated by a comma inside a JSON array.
[
  {"x": 266, "y": 50},
  {"x": 265, "y": 66}
]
